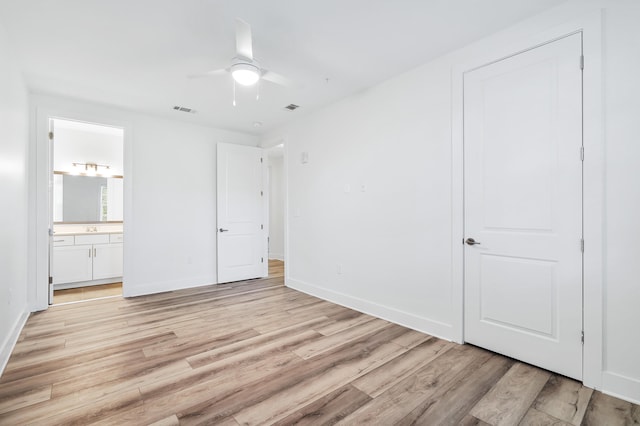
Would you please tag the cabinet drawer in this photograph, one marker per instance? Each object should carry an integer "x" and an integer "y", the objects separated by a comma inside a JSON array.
[
  {"x": 92, "y": 239},
  {"x": 63, "y": 240},
  {"x": 115, "y": 238}
]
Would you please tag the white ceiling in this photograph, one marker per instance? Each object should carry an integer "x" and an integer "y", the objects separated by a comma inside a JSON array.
[{"x": 136, "y": 54}]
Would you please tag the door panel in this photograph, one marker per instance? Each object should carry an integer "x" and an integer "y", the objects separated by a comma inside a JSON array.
[
  {"x": 241, "y": 234},
  {"x": 523, "y": 186}
]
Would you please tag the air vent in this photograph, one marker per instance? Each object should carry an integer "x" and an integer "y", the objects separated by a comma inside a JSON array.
[
  {"x": 184, "y": 109},
  {"x": 292, "y": 107}
]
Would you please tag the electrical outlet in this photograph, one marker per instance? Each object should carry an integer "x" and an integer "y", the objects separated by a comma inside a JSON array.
[
  {"x": 338, "y": 269},
  {"x": 189, "y": 260},
  {"x": 9, "y": 296}
]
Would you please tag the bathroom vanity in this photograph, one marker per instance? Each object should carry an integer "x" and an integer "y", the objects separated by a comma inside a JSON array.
[{"x": 86, "y": 255}]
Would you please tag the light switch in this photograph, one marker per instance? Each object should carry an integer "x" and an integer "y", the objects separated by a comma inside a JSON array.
[
  {"x": 304, "y": 157},
  {"x": 347, "y": 188}
]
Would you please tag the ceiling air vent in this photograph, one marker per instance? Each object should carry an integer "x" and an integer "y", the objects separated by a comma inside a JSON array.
[
  {"x": 292, "y": 107},
  {"x": 184, "y": 109}
]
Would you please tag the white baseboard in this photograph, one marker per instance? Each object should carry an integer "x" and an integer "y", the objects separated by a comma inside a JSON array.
[
  {"x": 415, "y": 322},
  {"x": 133, "y": 290},
  {"x": 65, "y": 286},
  {"x": 10, "y": 341},
  {"x": 620, "y": 386},
  {"x": 276, "y": 256}
]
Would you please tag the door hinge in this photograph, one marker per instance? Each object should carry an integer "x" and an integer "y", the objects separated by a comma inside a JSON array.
[
  {"x": 50, "y": 136},
  {"x": 582, "y": 153},
  {"x": 582, "y": 245},
  {"x": 261, "y": 226},
  {"x": 582, "y": 337},
  {"x": 262, "y": 260},
  {"x": 261, "y": 159},
  {"x": 50, "y": 280},
  {"x": 581, "y": 62},
  {"x": 261, "y": 193}
]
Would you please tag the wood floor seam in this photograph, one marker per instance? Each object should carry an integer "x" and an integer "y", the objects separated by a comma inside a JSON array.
[{"x": 258, "y": 352}]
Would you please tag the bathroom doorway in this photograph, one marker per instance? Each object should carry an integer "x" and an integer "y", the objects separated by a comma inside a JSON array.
[
  {"x": 276, "y": 188},
  {"x": 87, "y": 210}
]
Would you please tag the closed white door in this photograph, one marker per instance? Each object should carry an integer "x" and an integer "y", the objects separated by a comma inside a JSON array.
[
  {"x": 523, "y": 206},
  {"x": 242, "y": 247}
]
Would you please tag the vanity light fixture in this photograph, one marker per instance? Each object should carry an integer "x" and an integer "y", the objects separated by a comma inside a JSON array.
[{"x": 91, "y": 169}]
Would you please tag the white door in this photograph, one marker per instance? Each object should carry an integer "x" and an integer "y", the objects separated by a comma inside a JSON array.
[
  {"x": 523, "y": 206},
  {"x": 242, "y": 247}
]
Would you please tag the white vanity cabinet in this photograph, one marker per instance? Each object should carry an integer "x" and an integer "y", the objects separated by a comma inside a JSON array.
[{"x": 86, "y": 258}]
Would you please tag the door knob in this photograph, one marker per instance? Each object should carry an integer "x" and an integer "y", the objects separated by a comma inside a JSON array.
[
  {"x": 471, "y": 241},
  {"x": 223, "y": 230}
]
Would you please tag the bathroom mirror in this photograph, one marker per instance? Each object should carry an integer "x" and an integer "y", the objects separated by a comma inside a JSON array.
[{"x": 87, "y": 199}]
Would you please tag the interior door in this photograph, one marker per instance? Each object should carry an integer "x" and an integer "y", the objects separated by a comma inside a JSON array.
[
  {"x": 241, "y": 227},
  {"x": 523, "y": 206}
]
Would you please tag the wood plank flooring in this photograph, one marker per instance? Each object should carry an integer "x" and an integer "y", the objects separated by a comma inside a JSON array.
[
  {"x": 256, "y": 352},
  {"x": 86, "y": 293}
]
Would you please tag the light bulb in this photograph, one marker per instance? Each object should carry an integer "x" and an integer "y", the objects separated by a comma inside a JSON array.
[{"x": 245, "y": 74}]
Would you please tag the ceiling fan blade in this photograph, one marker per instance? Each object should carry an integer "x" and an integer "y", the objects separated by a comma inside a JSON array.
[
  {"x": 244, "y": 45},
  {"x": 276, "y": 78},
  {"x": 209, "y": 73}
]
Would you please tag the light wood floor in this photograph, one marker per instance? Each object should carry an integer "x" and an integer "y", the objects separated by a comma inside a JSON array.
[
  {"x": 276, "y": 269},
  {"x": 87, "y": 293},
  {"x": 256, "y": 352}
]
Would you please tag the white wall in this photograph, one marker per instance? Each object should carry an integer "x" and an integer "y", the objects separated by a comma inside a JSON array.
[
  {"x": 13, "y": 193},
  {"x": 373, "y": 214},
  {"x": 621, "y": 354},
  {"x": 87, "y": 143},
  {"x": 170, "y": 194},
  {"x": 276, "y": 208}
]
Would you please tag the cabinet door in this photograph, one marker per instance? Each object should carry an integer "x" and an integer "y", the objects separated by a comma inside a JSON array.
[
  {"x": 107, "y": 261},
  {"x": 71, "y": 264}
]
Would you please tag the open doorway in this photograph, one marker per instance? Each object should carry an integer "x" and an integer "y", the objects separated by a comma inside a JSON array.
[
  {"x": 276, "y": 182},
  {"x": 87, "y": 209}
]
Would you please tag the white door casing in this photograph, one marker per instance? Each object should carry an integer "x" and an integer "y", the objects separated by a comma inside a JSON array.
[
  {"x": 50, "y": 186},
  {"x": 523, "y": 203},
  {"x": 240, "y": 213}
]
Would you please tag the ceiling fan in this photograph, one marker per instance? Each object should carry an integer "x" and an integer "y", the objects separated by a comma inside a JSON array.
[{"x": 244, "y": 69}]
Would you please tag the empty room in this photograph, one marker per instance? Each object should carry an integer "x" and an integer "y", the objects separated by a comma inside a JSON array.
[{"x": 245, "y": 212}]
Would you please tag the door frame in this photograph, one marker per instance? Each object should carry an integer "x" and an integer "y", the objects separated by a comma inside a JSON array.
[
  {"x": 266, "y": 145},
  {"x": 590, "y": 26},
  {"x": 41, "y": 209}
]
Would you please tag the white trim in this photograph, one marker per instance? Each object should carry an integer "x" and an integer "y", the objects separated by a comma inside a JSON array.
[
  {"x": 285, "y": 176},
  {"x": 622, "y": 386},
  {"x": 11, "y": 339},
  {"x": 66, "y": 286},
  {"x": 40, "y": 141},
  {"x": 415, "y": 322},
  {"x": 276, "y": 256},
  {"x": 591, "y": 27}
]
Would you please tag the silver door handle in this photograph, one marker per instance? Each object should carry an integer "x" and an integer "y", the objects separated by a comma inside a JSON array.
[
  {"x": 223, "y": 230},
  {"x": 471, "y": 241}
]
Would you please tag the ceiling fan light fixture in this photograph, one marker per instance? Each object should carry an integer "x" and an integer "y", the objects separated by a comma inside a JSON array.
[{"x": 245, "y": 74}]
